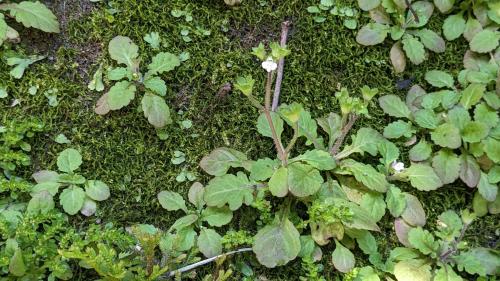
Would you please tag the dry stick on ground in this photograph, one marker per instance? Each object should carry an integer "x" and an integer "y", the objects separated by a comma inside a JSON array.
[
  {"x": 201, "y": 263},
  {"x": 285, "y": 26},
  {"x": 345, "y": 130}
]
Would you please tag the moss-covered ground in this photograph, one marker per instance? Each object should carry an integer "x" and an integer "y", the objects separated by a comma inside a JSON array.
[{"x": 123, "y": 150}]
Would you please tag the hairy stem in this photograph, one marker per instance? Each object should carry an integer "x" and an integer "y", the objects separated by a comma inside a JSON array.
[
  {"x": 267, "y": 113},
  {"x": 345, "y": 131},
  {"x": 285, "y": 26},
  {"x": 294, "y": 138},
  {"x": 201, "y": 263},
  {"x": 454, "y": 246}
]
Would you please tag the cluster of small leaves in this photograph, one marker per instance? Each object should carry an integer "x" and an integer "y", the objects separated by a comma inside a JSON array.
[
  {"x": 130, "y": 80},
  {"x": 348, "y": 14},
  {"x": 405, "y": 25},
  {"x": 20, "y": 63},
  {"x": 189, "y": 229},
  {"x": 187, "y": 30},
  {"x": 73, "y": 197},
  {"x": 459, "y": 132},
  {"x": 13, "y": 144},
  {"x": 29, "y": 14}
]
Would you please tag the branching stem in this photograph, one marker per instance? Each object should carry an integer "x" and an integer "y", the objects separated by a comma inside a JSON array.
[
  {"x": 285, "y": 26},
  {"x": 443, "y": 257},
  {"x": 345, "y": 131}
]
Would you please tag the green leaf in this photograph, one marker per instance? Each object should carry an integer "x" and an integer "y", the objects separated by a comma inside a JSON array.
[
  {"x": 156, "y": 110},
  {"x": 444, "y": 6},
  {"x": 366, "y": 174},
  {"x": 172, "y": 201},
  {"x": 486, "y": 115},
  {"x": 72, "y": 199},
  {"x": 182, "y": 223},
  {"x": 389, "y": 153},
  {"x": 414, "y": 49},
  {"x": 69, "y": 160},
  {"x": 423, "y": 177},
  {"x": 398, "y": 129},
  {"x": 446, "y": 164},
  {"x": 120, "y": 95},
  {"x": 458, "y": 116},
  {"x": 492, "y": 149},
  {"x": 97, "y": 190},
  {"x": 398, "y": 58},
  {"x": 89, "y": 207},
  {"x": 367, "y": 273},
  {"x": 263, "y": 125},
  {"x": 474, "y": 131},
  {"x": 453, "y": 27},
  {"x": 367, "y": 5},
  {"x": 229, "y": 189},
  {"x": 34, "y": 14},
  {"x": 163, "y": 62},
  {"x": 123, "y": 50},
  {"x": 431, "y": 40},
  {"x": 245, "y": 84},
  {"x": 42, "y": 202},
  {"x": 420, "y": 152},
  {"x": 447, "y": 135},
  {"x": 21, "y": 64},
  {"x": 365, "y": 140},
  {"x": 426, "y": 118},
  {"x": 16, "y": 264},
  {"x": 217, "y": 216},
  {"x": 494, "y": 174},
  {"x": 449, "y": 225},
  {"x": 319, "y": 159},
  {"x": 472, "y": 95},
  {"x": 303, "y": 180},
  {"x": 3, "y": 29},
  {"x": 423, "y": 9},
  {"x": 412, "y": 270},
  {"x": 396, "y": 201},
  {"x": 401, "y": 227},
  {"x": 488, "y": 258},
  {"x": 218, "y": 162},
  {"x": 485, "y": 41},
  {"x": 118, "y": 73},
  {"x": 439, "y": 79},
  {"x": 414, "y": 213},
  {"x": 49, "y": 186},
  {"x": 62, "y": 139},
  {"x": 394, "y": 106},
  {"x": 263, "y": 169},
  {"x": 487, "y": 190},
  {"x": 277, "y": 244},
  {"x": 372, "y": 34},
  {"x": 374, "y": 204},
  {"x": 96, "y": 83},
  {"x": 470, "y": 172},
  {"x": 466, "y": 261},
  {"x": 153, "y": 39},
  {"x": 423, "y": 241},
  {"x": 157, "y": 85},
  {"x": 278, "y": 184},
  {"x": 209, "y": 243},
  {"x": 342, "y": 259},
  {"x": 195, "y": 195}
]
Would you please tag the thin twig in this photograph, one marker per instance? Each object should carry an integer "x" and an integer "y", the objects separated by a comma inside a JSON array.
[
  {"x": 345, "y": 131},
  {"x": 200, "y": 263},
  {"x": 267, "y": 113},
  {"x": 285, "y": 26}
]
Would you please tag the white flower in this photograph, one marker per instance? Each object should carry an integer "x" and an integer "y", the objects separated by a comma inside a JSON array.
[
  {"x": 269, "y": 64},
  {"x": 138, "y": 248},
  {"x": 398, "y": 166}
]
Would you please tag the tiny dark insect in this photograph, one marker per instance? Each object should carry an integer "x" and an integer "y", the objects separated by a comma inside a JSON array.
[{"x": 404, "y": 83}]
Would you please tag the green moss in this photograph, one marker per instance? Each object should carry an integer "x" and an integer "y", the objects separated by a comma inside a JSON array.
[{"x": 122, "y": 149}]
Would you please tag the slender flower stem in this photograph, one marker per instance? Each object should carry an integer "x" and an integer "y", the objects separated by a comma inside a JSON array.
[
  {"x": 345, "y": 130},
  {"x": 200, "y": 263},
  {"x": 294, "y": 138},
  {"x": 281, "y": 65},
  {"x": 267, "y": 113}
]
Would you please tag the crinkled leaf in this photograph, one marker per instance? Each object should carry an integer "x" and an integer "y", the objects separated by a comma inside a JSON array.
[
  {"x": 414, "y": 49},
  {"x": 157, "y": 85},
  {"x": 365, "y": 140},
  {"x": 439, "y": 79},
  {"x": 209, "y": 243},
  {"x": 156, "y": 110},
  {"x": 426, "y": 118},
  {"x": 172, "y": 201},
  {"x": 72, "y": 199},
  {"x": 423, "y": 177},
  {"x": 474, "y": 131},
  {"x": 394, "y": 106},
  {"x": 398, "y": 129},
  {"x": 487, "y": 190},
  {"x": 120, "y": 95},
  {"x": 447, "y": 135},
  {"x": 485, "y": 41},
  {"x": 453, "y": 27},
  {"x": 69, "y": 160},
  {"x": 97, "y": 190},
  {"x": 218, "y": 162},
  {"x": 163, "y": 62},
  {"x": 423, "y": 241},
  {"x": 431, "y": 40},
  {"x": 366, "y": 174},
  {"x": 319, "y": 159},
  {"x": 396, "y": 201},
  {"x": 229, "y": 189},
  {"x": 342, "y": 259},
  {"x": 446, "y": 164},
  {"x": 34, "y": 14},
  {"x": 277, "y": 244},
  {"x": 492, "y": 149}
]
